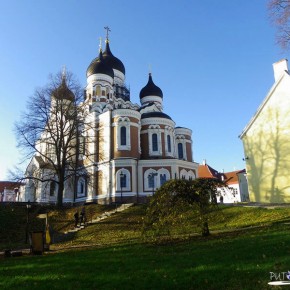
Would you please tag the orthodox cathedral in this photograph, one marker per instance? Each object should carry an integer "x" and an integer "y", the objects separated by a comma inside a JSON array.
[{"x": 140, "y": 147}]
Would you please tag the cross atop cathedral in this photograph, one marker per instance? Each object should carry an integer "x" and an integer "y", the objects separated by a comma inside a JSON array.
[{"x": 107, "y": 33}]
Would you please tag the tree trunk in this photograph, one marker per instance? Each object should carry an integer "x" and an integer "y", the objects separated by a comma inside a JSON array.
[{"x": 60, "y": 193}]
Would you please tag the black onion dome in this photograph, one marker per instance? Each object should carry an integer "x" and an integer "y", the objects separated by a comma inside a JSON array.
[
  {"x": 111, "y": 60},
  {"x": 155, "y": 115},
  {"x": 99, "y": 66},
  {"x": 63, "y": 92},
  {"x": 151, "y": 89}
]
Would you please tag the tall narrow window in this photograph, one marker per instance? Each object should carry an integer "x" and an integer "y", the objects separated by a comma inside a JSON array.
[
  {"x": 180, "y": 151},
  {"x": 168, "y": 143},
  {"x": 123, "y": 135},
  {"x": 151, "y": 181},
  {"x": 154, "y": 142},
  {"x": 123, "y": 180},
  {"x": 162, "y": 179},
  {"x": 52, "y": 188},
  {"x": 81, "y": 188}
]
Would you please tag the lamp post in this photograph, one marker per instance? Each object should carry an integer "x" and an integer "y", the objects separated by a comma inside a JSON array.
[
  {"x": 121, "y": 184},
  {"x": 28, "y": 206},
  {"x": 152, "y": 175}
]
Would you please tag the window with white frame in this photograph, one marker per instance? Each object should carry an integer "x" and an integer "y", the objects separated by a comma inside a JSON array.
[
  {"x": 52, "y": 188},
  {"x": 164, "y": 175},
  {"x": 123, "y": 131},
  {"x": 169, "y": 143},
  {"x": 154, "y": 142},
  {"x": 154, "y": 179},
  {"x": 162, "y": 179},
  {"x": 191, "y": 175},
  {"x": 123, "y": 178},
  {"x": 150, "y": 180},
  {"x": 183, "y": 174},
  {"x": 155, "y": 148},
  {"x": 180, "y": 150},
  {"x": 81, "y": 187},
  {"x": 168, "y": 136},
  {"x": 123, "y": 134}
]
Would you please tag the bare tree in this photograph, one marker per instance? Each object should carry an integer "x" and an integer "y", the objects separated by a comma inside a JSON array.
[
  {"x": 53, "y": 131},
  {"x": 279, "y": 14}
]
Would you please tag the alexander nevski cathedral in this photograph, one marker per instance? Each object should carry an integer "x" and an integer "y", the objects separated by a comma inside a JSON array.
[{"x": 141, "y": 146}]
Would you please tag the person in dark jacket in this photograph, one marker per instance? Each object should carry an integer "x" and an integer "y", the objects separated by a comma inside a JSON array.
[
  {"x": 76, "y": 216},
  {"x": 83, "y": 216}
]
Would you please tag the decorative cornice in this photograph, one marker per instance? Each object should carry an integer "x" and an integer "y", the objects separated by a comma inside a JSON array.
[
  {"x": 99, "y": 77},
  {"x": 157, "y": 121},
  {"x": 183, "y": 131},
  {"x": 126, "y": 113},
  {"x": 168, "y": 162}
]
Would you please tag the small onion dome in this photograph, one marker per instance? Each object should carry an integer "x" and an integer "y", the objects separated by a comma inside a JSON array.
[
  {"x": 63, "y": 92},
  {"x": 155, "y": 115},
  {"x": 98, "y": 66},
  {"x": 151, "y": 89},
  {"x": 111, "y": 60}
]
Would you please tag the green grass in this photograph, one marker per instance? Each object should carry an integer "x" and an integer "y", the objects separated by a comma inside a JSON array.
[
  {"x": 246, "y": 244},
  {"x": 13, "y": 221},
  {"x": 224, "y": 261}
]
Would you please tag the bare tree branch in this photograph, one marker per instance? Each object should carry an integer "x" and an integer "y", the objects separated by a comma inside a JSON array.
[
  {"x": 51, "y": 133},
  {"x": 279, "y": 11}
]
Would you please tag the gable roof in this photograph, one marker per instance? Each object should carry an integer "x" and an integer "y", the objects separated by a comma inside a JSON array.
[
  {"x": 265, "y": 101},
  {"x": 232, "y": 177},
  {"x": 9, "y": 185},
  {"x": 206, "y": 171}
]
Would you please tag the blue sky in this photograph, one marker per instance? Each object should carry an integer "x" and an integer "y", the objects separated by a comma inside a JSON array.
[{"x": 212, "y": 59}]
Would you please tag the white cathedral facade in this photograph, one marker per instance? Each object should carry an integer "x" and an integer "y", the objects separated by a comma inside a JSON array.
[{"x": 141, "y": 147}]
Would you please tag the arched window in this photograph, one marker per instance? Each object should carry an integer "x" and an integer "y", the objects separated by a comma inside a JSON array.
[
  {"x": 151, "y": 181},
  {"x": 168, "y": 143},
  {"x": 154, "y": 142},
  {"x": 123, "y": 135},
  {"x": 123, "y": 180},
  {"x": 162, "y": 179},
  {"x": 180, "y": 150},
  {"x": 81, "y": 189},
  {"x": 98, "y": 91},
  {"x": 52, "y": 188}
]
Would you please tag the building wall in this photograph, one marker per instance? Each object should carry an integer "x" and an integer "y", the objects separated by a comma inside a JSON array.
[{"x": 267, "y": 148}]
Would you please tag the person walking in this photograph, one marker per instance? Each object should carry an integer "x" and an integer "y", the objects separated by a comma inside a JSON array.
[
  {"x": 76, "y": 216},
  {"x": 83, "y": 216}
]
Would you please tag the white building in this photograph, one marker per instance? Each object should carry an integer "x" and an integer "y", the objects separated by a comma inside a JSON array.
[{"x": 236, "y": 181}]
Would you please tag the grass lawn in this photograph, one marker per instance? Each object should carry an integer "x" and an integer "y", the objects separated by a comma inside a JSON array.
[{"x": 117, "y": 257}]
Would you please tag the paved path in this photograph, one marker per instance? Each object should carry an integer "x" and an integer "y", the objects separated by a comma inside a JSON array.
[{"x": 102, "y": 216}]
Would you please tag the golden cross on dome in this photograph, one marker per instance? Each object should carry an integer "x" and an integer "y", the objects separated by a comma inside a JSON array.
[{"x": 107, "y": 33}]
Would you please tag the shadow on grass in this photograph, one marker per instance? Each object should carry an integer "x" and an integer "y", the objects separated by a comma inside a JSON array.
[{"x": 224, "y": 261}]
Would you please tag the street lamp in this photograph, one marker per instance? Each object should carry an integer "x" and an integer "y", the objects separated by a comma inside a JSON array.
[
  {"x": 121, "y": 184},
  {"x": 152, "y": 175},
  {"x": 28, "y": 206}
]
